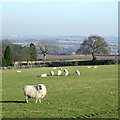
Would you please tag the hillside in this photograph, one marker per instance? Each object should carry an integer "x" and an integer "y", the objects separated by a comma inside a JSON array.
[{"x": 68, "y": 44}]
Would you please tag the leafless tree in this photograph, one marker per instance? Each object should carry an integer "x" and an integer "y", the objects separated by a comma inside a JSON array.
[{"x": 44, "y": 48}]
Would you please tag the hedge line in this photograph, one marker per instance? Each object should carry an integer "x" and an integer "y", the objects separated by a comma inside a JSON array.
[{"x": 76, "y": 63}]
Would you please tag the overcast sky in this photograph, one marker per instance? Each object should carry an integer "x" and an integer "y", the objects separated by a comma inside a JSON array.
[{"x": 60, "y": 18}]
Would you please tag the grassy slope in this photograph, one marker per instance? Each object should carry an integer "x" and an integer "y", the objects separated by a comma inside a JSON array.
[{"x": 94, "y": 93}]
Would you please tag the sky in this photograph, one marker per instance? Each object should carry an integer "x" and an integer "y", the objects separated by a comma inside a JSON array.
[{"x": 60, "y": 18}]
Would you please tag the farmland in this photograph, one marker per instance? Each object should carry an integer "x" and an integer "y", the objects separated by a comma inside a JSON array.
[
  {"x": 75, "y": 57},
  {"x": 93, "y": 94}
]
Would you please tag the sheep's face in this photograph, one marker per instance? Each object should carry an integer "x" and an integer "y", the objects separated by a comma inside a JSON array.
[{"x": 39, "y": 87}]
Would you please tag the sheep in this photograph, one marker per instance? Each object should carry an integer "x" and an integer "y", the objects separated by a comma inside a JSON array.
[
  {"x": 89, "y": 67},
  {"x": 52, "y": 73},
  {"x": 59, "y": 72},
  {"x": 60, "y": 68},
  {"x": 44, "y": 75},
  {"x": 95, "y": 66},
  {"x": 66, "y": 72},
  {"x": 18, "y": 71},
  {"x": 77, "y": 72},
  {"x": 36, "y": 92},
  {"x": 54, "y": 68}
]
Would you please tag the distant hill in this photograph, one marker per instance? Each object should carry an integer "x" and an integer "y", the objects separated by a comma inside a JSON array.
[
  {"x": 68, "y": 44},
  {"x": 111, "y": 39},
  {"x": 35, "y": 38}
]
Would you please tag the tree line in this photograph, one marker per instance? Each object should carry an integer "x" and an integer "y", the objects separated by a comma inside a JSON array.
[{"x": 10, "y": 52}]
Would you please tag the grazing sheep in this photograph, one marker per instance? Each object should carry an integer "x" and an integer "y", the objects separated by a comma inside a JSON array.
[
  {"x": 60, "y": 68},
  {"x": 52, "y": 73},
  {"x": 54, "y": 68},
  {"x": 59, "y": 72},
  {"x": 77, "y": 72},
  {"x": 66, "y": 72},
  {"x": 36, "y": 92},
  {"x": 44, "y": 75},
  {"x": 18, "y": 71},
  {"x": 95, "y": 66},
  {"x": 89, "y": 67}
]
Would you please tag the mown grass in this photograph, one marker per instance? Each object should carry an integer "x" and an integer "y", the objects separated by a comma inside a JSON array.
[{"x": 93, "y": 94}]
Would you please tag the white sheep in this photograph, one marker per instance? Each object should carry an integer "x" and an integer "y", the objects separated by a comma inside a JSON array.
[
  {"x": 95, "y": 66},
  {"x": 89, "y": 67},
  {"x": 59, "y": 72},
  {"x": 77, "y": 72},
  {"x": 54, "y": 68},
  {"x": 66, "y": 72},
  {"x": 44, "y": 75},
  {"x": 18, "y": 71},
  {"x": 52, "y": 73},
  {"x": 60, "y": 68},
  {"x": 36, "y": 92}
]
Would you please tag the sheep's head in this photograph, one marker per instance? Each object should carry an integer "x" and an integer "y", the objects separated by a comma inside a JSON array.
[
  {"x": 39, "y": 87},
  {"x": 42, "y": 89}
]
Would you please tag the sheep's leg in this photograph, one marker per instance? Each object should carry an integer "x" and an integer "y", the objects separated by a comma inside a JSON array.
[
  {"x": 39, "y": 100},
  {"x": 36, "y": 100},
  {"x": 26, "y": 99}
]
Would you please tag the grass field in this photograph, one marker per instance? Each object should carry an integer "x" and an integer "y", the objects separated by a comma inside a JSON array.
[{"x": 93, "y": 94}]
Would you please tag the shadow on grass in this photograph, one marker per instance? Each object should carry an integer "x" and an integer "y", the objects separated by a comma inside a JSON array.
[{"x": 12, "y": 102}]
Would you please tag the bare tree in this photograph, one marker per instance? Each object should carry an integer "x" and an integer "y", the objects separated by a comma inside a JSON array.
[
  {"x": 94, "y": 44},
  {"x": 44, "y": 48}
]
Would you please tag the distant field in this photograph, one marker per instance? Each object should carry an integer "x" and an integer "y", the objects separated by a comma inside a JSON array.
[
  {"x": 93, "y": 94},
  {"x": 62, "y": 57},
  {"x": 68, "y": 58}
]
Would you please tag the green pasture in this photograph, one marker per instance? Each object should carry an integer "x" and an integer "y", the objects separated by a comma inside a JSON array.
[{"x": 93, "y": 94}]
